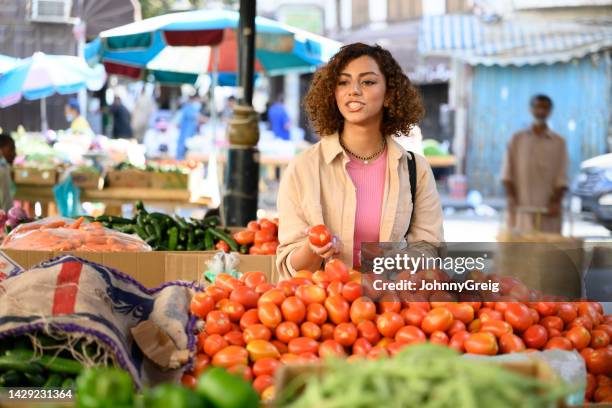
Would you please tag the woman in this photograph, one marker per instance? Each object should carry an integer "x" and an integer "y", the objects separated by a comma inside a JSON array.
[{"x": 356, "y": 179}]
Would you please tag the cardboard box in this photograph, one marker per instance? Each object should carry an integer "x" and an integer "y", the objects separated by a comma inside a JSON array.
[
  {"x": 170, "y": 180},
  {"x": 190, "y": 266},
  {"x": 87, "y": 180},
  {"x": 131, "y": 178},
  {"x": 152, "y": 269},
  {"x": 148, "y": 268},
  {"x": 34, "y": 176}
]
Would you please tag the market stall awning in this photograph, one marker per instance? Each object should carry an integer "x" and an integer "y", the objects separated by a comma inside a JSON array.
[
  {"x": 516, "y": 41},
  {"x": 131, "y": 49}
]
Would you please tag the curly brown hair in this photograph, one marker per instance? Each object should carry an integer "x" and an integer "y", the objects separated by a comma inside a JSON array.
[{"x": 405, "y": 105}]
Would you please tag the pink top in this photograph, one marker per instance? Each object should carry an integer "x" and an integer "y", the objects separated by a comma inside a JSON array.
[{"x": 369, "y": 181}]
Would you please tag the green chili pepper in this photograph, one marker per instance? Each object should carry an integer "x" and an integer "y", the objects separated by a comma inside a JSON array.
[
  {"x": 140, "y": 207},
  {"x": 51, "y": 363},
  {"x": 172, "y": 238},
  {"x": 225, "y": 237},
  {"x": 182, "y": 223},
  {"x": 212, "y": 221},
  {"x": 54, "y": 381},
  {"x": 209, "y": 243},
  {"x": 11, "y": 378}
]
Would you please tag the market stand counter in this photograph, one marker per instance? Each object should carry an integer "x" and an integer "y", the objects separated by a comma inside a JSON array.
[{"x": 113, "y": 197}]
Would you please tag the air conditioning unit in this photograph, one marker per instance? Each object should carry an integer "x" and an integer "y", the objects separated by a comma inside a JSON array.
[{"x": 51, "y": 11}]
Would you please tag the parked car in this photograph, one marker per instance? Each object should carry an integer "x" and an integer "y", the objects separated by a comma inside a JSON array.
[{"x": 592, "y": 189}]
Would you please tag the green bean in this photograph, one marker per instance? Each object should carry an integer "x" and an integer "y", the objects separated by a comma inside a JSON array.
[{"x": 420, "y": 376}]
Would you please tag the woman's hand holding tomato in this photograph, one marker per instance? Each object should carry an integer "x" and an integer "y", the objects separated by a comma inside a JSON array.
[{"x": 322, "y": 243}]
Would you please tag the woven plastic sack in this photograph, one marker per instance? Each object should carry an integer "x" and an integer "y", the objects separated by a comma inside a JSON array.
[
  {"x": 80, "y": 300},
  {"x": 66, "y": 234}
]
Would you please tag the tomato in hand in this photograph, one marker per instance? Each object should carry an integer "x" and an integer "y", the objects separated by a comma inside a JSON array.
[{"x": 319, "y": 235}]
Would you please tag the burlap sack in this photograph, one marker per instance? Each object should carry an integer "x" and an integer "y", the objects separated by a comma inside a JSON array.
[{"x": 75, "y": 298}]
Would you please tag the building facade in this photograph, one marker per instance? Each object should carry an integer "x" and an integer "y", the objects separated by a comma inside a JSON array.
[{"x": 53, "y": 26}]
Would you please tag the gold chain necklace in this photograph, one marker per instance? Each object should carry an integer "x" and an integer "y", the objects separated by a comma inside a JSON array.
[{"x": 365, "y": 160}]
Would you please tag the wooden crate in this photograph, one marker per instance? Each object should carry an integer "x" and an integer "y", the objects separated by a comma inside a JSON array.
[{"x": 35, "y": 177}]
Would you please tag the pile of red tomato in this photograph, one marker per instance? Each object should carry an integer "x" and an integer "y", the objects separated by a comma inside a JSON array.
[
  {"x": 260, "y": 237},
  {"x": 252, "y": 327}
]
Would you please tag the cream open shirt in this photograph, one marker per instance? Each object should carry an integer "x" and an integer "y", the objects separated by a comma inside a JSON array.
[{"x": 317, "y": 189}]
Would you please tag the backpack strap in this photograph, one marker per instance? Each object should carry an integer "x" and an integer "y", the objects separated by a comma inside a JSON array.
[{"x": 412, "y": 174}]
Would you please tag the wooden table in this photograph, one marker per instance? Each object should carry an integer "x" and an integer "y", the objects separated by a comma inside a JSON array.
[
  {"x": 270, "y": 163},
  {"x": 113, "y": 197}
]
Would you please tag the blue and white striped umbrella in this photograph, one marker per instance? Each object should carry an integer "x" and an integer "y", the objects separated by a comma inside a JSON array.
[
  {"x": 7, "y": 63},
  {"x": 41, "y": 75}
]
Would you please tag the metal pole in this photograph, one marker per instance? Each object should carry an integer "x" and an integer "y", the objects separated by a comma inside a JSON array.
[
  {"x": 44, "y": 125},
  {"x": 246, "y": 54},
  {"x": 213, "y": 86},
  {"x": 242, "y": 169}
]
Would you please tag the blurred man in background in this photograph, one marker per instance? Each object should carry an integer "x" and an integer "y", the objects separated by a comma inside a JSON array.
[
  {"x": 534, "y": 173},
  {"x": 78, "y": 124},
  {"x": 7, "y": 187},
  {"x": 141, "y": 115},
  {"x": 122, "y": 128},
  {"x": 190, "y": 120},
  {"x": 279, "y": 119}
]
